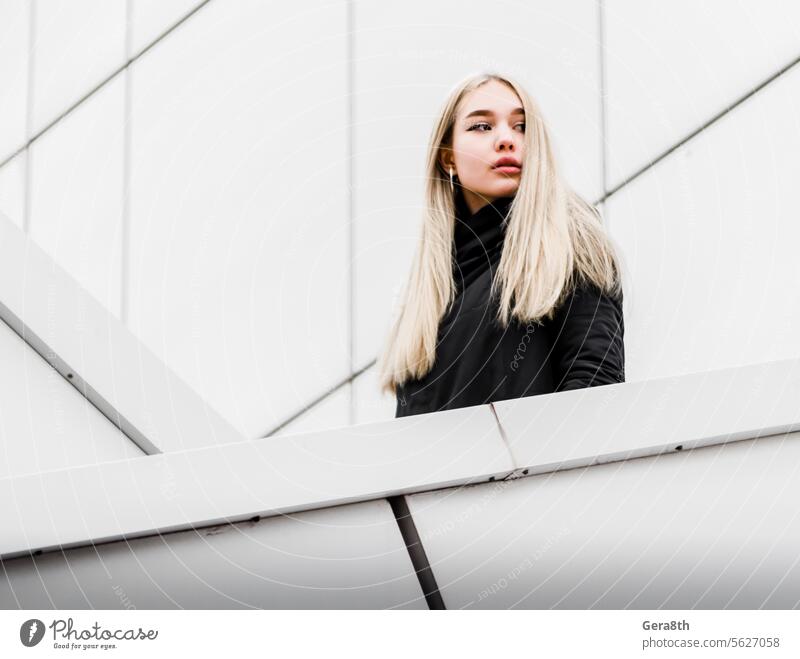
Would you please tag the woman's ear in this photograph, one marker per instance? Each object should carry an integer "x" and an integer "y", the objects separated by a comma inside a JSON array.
[{"x": 446, "y": 160}]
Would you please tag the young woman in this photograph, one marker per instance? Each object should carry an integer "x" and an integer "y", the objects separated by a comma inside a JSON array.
[{"x": 515, "y": 287}]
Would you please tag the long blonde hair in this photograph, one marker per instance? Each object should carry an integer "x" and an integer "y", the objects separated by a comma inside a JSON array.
[{"x": 553, "y": 239}]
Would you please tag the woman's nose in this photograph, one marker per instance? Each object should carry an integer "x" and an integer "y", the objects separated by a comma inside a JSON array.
[{"x": 505, "y": 139}]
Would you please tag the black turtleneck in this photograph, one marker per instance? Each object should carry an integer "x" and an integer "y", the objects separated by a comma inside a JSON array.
[
  {"x": 478, "y": 239},
  {"x": 478, "y": 361}
]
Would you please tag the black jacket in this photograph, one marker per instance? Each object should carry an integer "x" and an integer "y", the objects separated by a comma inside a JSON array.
[{"x": 478, "y": 362}]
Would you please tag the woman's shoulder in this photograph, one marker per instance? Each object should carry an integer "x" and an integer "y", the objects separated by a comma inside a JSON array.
[{"x": 584, "y": 296}]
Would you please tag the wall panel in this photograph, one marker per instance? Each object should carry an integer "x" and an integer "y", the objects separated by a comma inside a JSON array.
[
  {"x": 45, "y": 423},
  {"x": 239, "y": 232},
  {"x": 151, "y": 18},
  {"x": 14, "y": 34},
  {"x": 672, "y": 66},
  {"x": 711, "y": 528},
  {"x": 709, "y": 238},
  {"x": 76, "y": 193},
  {"x": 348, "y": 557},
  {"x": 12, "y": 189},
  {"x": 77, "y": 44}
]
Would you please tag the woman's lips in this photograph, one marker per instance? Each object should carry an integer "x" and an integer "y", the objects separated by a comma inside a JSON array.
[{"x": 508, "y": 169}]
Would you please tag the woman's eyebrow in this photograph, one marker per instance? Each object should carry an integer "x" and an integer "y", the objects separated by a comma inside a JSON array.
[{"x": 490, "y": 113}]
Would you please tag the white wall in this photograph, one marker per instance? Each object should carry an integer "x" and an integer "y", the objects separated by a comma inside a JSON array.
[
  {"x": 14, "y": 35},
  {"x": 77, "y": 45},
  {"x": 12, "y": 189},
  {"x": 76, "y": 193},
  {"x": 344, "y": 557},
  {"x": 671, "y": 67},
  {"x": 247, "y": 199},
  {"x": 710, "y": 528},
  {"x": 45, "y": 423},
  {"x": 148, "y": 20},
  {"x": 238, "y": 216},
  {"x": 710, "y": 239}
]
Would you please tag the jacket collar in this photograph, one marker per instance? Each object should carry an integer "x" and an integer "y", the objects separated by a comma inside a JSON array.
[{"x": 479, "y": 232}]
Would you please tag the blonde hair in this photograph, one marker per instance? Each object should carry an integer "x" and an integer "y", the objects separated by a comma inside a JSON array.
[{"x": 553, "y": 240}]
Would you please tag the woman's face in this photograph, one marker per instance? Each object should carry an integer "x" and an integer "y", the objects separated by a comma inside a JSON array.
[{"x": 489, "y": 126}]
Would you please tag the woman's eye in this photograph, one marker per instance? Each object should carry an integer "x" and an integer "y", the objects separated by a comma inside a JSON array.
[{"x": 478, "y": 126}]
